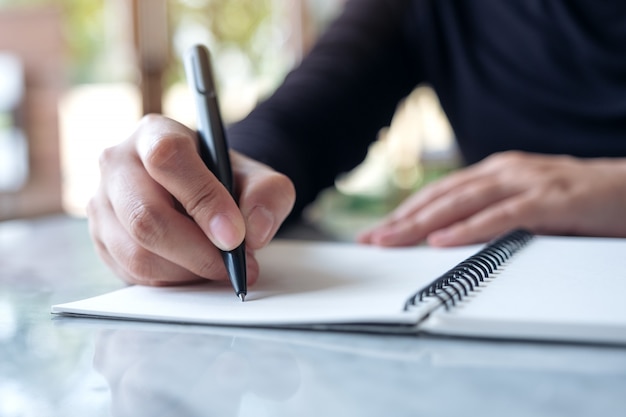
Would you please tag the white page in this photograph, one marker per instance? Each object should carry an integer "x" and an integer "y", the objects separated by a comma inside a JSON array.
[
  {"x": 301, "y": 283},
  {"x": 556, "y": 288}
]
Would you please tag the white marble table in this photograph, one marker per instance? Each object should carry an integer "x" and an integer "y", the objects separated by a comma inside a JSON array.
[{"x": 82, "y": 367}]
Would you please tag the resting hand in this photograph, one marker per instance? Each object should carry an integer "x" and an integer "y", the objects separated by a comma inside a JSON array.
[
  {"x": 545, "y": 194},
  {"x": 159, "y": 215}
]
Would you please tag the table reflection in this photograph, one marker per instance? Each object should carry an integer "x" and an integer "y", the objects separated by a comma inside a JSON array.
[
  {"x": 247, "y": 372},
  {"x": 165, "y": 374}
]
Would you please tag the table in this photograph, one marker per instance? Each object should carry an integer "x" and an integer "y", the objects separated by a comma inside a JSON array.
[{"x": 51, "y": 366}]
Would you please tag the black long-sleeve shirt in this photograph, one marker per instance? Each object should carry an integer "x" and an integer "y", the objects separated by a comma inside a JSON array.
[{"x": 546, "y": 76}]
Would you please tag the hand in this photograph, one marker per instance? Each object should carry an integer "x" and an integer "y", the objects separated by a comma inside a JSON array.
[
  {"x": 545, "y": 194},
  {"x": 159, "y": 215}
]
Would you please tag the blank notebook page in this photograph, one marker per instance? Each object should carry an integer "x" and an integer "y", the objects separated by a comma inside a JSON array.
[
  {"x": 301, "y": 283},
  {"x": 555, "y": 286}
]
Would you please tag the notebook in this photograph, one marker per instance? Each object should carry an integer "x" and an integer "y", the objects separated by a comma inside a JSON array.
[{"x": 519, "y": 286}]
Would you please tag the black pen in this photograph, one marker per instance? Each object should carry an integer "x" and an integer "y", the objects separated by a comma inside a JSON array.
[{"x": 214, "y": 148}]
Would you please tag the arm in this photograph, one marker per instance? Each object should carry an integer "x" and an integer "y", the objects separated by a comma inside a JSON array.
[{"x": 321, "y": 120}]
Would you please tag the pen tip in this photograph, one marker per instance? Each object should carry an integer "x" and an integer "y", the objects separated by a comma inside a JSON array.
[{"x": 242, "y": 296}]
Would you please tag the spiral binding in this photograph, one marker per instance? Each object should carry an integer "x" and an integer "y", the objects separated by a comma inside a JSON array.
[{"x": 454, "y": 285}]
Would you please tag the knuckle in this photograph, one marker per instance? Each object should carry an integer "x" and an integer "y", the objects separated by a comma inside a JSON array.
[
  {"x": 281, "y": 182},
  {"x": 507, "y": 158},
  {"x": 94, "y": 219},
  {"x": 107, "y": 158},
  {"x": 202, "y": 200},
  {"x": 139, "y": 266},
  {"x": 148, "y": 119},
  {"x": 91, "y": 209},
  {"x": 518, "y": 214},
  {"x": 146, "y": 225},
  {"x": 168, "y": 152},
  {"x": 101, "y": 249},
  {"x": 280, "y": 186},
  {"x": 558, "y": 184},
  {"x": 510, "y": 212},
  {"x": 211, "y": 267},
  {"x": 463, "y": 197}
]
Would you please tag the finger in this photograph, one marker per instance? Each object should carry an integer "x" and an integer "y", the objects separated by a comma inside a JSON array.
[
  {"x": 94, "y": 216},
  {"x": 449, "y": 208},
  {"x": 266, "y": 199},
  {"x": 498, "y": 165},
  {"x": 171, "y": 158},
  {"x": 517, "y": 212},
  {"x": 126, "y": 258},
  {"x": 423, "y": 198},
  {"x": 445, "y": 186},
  {"x": 148, "y": 215}
]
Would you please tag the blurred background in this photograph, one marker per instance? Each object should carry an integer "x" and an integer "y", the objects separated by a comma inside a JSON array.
[{"x": 76, "y": 76}]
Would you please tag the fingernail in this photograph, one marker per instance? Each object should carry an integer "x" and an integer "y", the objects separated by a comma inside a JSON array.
[
  {"x": 261, "y": 222},
  {"x": 227, "y": 234}
]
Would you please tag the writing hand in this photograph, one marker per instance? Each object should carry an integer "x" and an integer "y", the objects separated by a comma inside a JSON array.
[
  {"x": 159, "y": 215},
  {"x": 545, "y": 194}
]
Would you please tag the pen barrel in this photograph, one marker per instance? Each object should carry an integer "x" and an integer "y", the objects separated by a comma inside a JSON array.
[
  {"x": 235, "y": 262},
  {"x": 214, "y": 153},
  {"x": 211, "y": 133},
  {"x": 213, "y": 149}
]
